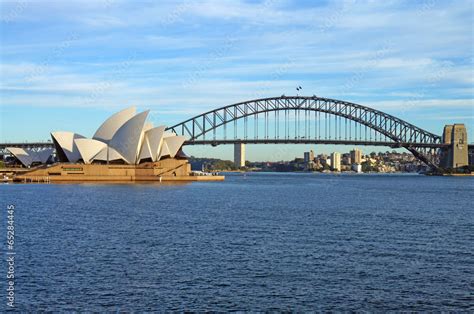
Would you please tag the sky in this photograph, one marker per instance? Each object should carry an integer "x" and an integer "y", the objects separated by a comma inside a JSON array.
[{"x": 68, "y": 65}]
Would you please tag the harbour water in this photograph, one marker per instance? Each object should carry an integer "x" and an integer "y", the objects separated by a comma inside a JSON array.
[{"x": 254, "y": 242}]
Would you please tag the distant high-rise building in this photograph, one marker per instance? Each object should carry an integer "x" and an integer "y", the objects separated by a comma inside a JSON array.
[
  {"x": 336, "y": 161},
  {"x": 306, "y": 157},
  {"x": 309, "y": 156},
  {"x": 356, "y": 156}
]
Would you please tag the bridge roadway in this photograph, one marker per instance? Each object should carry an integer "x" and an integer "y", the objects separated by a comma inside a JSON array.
[
  {"x": 212, "y": 142},
  {"x": 315, "y": 141}
]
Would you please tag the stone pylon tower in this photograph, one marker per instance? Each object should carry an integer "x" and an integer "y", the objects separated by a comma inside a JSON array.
[
  {"x": 239, "y": 155},
  {"x": 457, "y": 154}
]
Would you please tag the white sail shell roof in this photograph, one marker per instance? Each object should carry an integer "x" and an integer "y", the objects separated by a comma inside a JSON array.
[
  {"x": 108, "y": 129},
  {"x": 28, "y": 156},
  {"x": 142, "y": 143},
  {"x": 89, "y": 148},
  {"x": 158, "y": 144},
  {"x": 165, "y": 151},
  {"x": 124, "y": 136},
  {"x": 43, "y": 155},
  {"x": 145, "y": 151},
  {"x": 147, "y": 126},
  {"x": 22, "y": 155},
  {"x": 112, "y": 155},
  {"x": 174, "y": 143},
  {"x": 155, "y": 140},
  {"x": 66, "y": 142},
  {"x": 126, "y": 140}
]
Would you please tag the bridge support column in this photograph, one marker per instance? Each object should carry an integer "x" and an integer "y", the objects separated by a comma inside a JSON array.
[
  {"x": 457, "y": 154},
  {"x": 239, "y": 155}
]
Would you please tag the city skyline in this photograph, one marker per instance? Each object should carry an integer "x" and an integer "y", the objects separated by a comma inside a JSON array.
[{"x": 95, "y": 57}]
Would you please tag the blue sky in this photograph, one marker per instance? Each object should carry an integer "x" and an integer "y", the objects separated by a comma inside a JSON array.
[{"x": 68, "y": 65}]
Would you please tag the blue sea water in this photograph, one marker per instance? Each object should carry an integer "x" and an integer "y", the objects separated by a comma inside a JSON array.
[{"x": 254, "y": 242}]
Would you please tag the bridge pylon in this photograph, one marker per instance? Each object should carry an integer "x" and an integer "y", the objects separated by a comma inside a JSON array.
[
  {"x": 239, "y": 155},
  {"x": 456, "y": 155}
]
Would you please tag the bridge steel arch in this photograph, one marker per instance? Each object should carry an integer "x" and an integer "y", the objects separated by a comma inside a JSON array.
[{"x": 421, "y": 143}]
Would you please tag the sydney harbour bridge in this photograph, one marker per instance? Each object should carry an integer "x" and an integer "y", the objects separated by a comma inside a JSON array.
[
  {"x": 304, "y": 120},
  {"x": 309, "y": 120}
]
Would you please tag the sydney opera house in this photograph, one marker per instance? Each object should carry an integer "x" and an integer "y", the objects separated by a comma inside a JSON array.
[
  {"x": 124, "y": 138},
  {"x": 124, "y": 147}
]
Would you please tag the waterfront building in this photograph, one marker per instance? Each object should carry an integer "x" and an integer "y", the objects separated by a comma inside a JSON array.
[
  {"x": 317, "y": 164},
  {"x": 345, "y": 167},
  {"x": 346, "y": 159},
  {"x": 124, "y": 148},
  {"x": 326, "y": 161},
  {"x": 306, "y": 157},
  {"x": 336, "y": 161},
  {"x": 309, "y": 156},
  {"x": 124, "y": 138},
  {"x": 356, "y": 156},
  {"x": 357, "y": 168}
]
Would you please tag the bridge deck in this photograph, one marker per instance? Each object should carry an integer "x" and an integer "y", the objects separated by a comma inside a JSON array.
[
  {"x": 3, "y": 146},
  {"x": 312, "y": 141},
  {"x": 216, "y": 142}
]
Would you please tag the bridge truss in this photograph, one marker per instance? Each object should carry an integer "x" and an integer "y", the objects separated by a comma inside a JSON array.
[
  {"x": 32, "y": 145},
  {"x": 305, "y": 120}
]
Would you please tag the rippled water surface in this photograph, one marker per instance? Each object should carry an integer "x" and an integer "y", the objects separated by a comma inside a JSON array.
[{"x": 253, "y": 242}]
